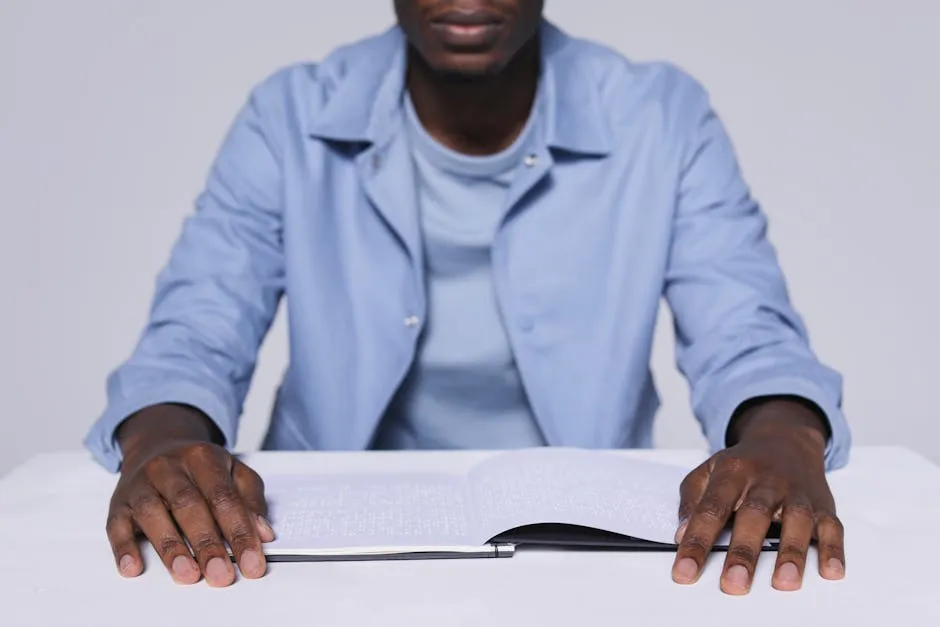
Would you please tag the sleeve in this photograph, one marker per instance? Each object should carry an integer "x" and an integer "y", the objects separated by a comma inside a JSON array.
[
  {"x": 737, "y": 335},
  {"x": 217, "y": 296}
]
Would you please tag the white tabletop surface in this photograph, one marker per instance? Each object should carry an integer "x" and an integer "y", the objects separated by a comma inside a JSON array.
[{"x": 56, "y": 568}]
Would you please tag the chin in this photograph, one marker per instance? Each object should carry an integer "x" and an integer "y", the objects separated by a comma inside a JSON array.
[{"x": 468, "y": 65}]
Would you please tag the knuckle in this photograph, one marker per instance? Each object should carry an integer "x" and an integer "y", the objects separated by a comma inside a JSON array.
[
  {"x": 222, "y": 498},
  {"x": 832, "y": 522},
  {"x": 733, "y": 464},
  {"x": 241, "y": 538},
  {"x": 143, "y": 502},
  {"x": 206, "y": 545},
  {"x": 799, "y": 509},
  {"x": 117, "y": 518},
  {"x": 120, "y": 549},
  {"x": 168, "y": 546},
  {"x": 695, "y": 544},
  {"x": 695, "y": 478},
  {"x": 185, "y": 497},
  {"x": 793, "y": 552},
  {"x": 758, "y": 506},
  {"x": 201, "y": 452},
  {"x": 158, "y": 467},
  {"x": 743, "y": 554},
  {"x": 713, "y": 509},
  {"x": 690, "y": 481}
]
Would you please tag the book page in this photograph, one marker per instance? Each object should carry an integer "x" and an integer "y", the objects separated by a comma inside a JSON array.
[
  {"x": 577, "y": 487},
  {"x": 342, "y": 511}
]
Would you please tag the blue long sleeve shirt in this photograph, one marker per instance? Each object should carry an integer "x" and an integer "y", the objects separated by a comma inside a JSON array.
[{"x": 631, "y": 192}]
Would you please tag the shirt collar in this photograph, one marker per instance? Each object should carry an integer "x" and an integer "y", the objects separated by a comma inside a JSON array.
[{"x": 366, "y": 105}]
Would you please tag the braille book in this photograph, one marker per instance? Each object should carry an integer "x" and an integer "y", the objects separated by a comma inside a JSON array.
[{"x": 549, "y": 497}]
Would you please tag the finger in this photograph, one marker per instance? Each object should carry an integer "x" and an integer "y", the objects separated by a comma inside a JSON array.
[
  {"x": 195, "y": 520},
  {"x": 265, "y": 530},
  {"x": 123, "y": 539},
  {"x": 251, "y": 488},
  {"x": 154, "y": 521},
  {"x": 831, "y": 544},
  {"x": 708, "y": 518},
  {"x": 795, "y": 535},
  {"x": 690, "y": 493},
  {"x": 751, "y": 522},
  {"x": 238, "y": 526}
]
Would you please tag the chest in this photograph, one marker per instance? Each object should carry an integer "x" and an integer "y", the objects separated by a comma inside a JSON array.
[{"x": 567, "y": 234}]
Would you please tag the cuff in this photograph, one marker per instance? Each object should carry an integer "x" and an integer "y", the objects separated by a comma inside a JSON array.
[
  {"x": 101, "y": 438},
  {"x": 718, "y": 411}
]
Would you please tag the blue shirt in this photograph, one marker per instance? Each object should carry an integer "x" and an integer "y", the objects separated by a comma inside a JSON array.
[
  {"x": 464, "y": 389},
  {"x": 632, "y": 193}
]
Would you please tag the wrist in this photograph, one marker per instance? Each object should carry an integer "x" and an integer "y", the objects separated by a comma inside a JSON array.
[
  {"x": 156, "y": 425},
  {"x": 779, "y": 415}
]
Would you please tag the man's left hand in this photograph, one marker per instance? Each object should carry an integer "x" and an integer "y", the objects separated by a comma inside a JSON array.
[{"x": 773, "y": 472}]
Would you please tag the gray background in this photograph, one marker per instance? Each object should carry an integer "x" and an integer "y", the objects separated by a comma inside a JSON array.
[{"x": 111, "y": 112}]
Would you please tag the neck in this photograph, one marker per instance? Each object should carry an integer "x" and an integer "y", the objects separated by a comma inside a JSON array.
[{"x": 478, "y": 115}]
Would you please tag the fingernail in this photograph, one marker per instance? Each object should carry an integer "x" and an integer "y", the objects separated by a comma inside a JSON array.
[
  {"x": 685, "y": 571},
  {"x": 251, "y": 564},
  {"x": 737, "y": 578},
  {"x": 126, "y": 565},
  {"x": 788, "y": 576},
  {"x": 216, "y": 572},
  {"x": 265, "y": 529},
  {"x": 836, "y": 568},
  {"x": 183, "y": 568}
]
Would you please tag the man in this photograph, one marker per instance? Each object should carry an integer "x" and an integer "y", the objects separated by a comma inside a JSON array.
[{"x": 473, "y": 217}]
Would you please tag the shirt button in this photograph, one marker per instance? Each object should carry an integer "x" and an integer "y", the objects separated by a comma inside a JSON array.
[
  {"x": 376, "y": 162},
  {"x": 526, "y": 324},
  {"x": 531, "y": 160},
  {"x": 412, "y": 321}
]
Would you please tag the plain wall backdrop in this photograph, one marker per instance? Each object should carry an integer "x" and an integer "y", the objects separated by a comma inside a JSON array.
[{"x": 111, "y": 112}]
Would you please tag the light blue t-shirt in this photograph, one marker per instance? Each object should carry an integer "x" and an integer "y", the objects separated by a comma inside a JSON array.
[{"x": 464, "y": 390}]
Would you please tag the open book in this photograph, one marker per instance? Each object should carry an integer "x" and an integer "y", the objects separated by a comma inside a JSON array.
[{"x": 548, "y": 497}]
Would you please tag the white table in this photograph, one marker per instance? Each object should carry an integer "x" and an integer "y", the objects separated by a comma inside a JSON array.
[{"x": 56, "y": 567}]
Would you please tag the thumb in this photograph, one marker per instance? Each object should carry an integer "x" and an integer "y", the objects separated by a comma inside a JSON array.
[
  {"x": 251, "y": 488},
  {"x": 691, "y": 491}
]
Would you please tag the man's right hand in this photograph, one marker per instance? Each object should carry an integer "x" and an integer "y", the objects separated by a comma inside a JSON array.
[{"x": 179, "y": 485}]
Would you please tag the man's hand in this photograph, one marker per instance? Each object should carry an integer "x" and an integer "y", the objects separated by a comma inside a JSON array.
[
  {"x": 178, "y": 485},
  {"x": 773, "y": 472}
]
